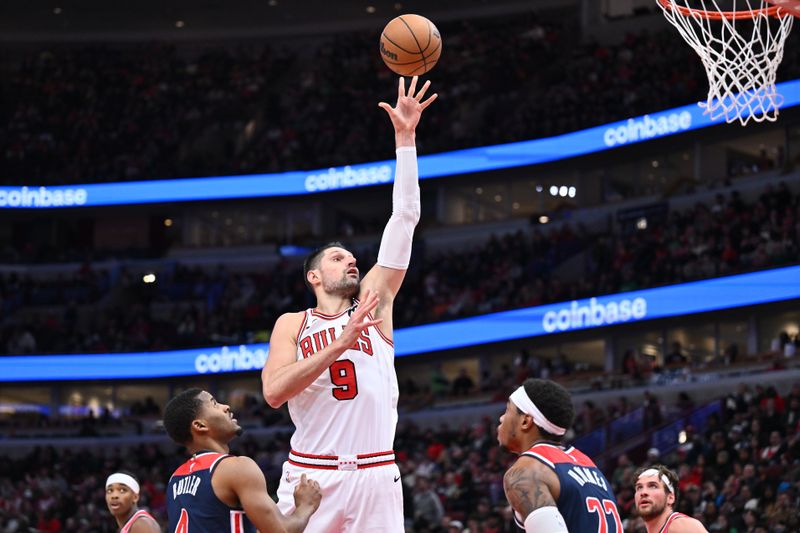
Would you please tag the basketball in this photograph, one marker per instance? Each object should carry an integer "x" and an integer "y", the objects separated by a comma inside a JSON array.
[{"x": 410, "y": 45}]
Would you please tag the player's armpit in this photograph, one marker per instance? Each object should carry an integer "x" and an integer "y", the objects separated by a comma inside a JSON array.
[{"x": 526, "y": 489}]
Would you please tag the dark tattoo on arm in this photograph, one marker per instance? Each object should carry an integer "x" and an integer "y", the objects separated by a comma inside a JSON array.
[{"x": 526, "y": 491}]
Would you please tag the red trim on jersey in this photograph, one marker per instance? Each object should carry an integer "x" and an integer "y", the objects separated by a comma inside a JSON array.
[
  {"x": 382, "y": 463},
  {"x": 318, "y": 467},
  {"x": 336, "y": 458},
  {"x": 674, "y": 516},
  {"x": 555, "y": 454},
  {"x": 328, "y": 317},
  {"x": 368, "y": 455},
  {"x": 310, "y": 456},
  {"x": 302, "y": 325},
  {"x": 198, "y": 463},
  {"x": 136, "y": 516},
  {"x": 331, "y": 467},
  {"x": 378, "y": 329}
]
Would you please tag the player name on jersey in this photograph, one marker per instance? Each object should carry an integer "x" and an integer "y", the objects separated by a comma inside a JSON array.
[
  {"x": 187, "y": 485},
  {"x": 311, "y": 344},
  {"x": 585, "y": 475}
]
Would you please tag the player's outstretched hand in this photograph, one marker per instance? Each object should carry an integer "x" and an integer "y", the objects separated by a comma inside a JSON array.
[
  {"x": 406, "y": 113},
  {"x": 307, "y": 494},
  {"x": 360, "y": 320}
]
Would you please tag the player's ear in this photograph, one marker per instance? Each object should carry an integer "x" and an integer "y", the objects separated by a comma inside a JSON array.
[
  {"x": 526, "y": 422},
  {"x": 135, "y": 498},
  {"x": 670, "y": 499},
  {"x": 199, "y": 426},
  {"x": 313, "y": 277}
]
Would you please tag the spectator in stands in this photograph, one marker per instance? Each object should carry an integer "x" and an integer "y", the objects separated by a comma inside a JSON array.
[{"x": 463, "y": 384}]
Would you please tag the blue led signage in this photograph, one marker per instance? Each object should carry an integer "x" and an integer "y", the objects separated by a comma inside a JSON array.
[
  {"x": 676, "y": 300},
  {"x": 606, "y": 137}
]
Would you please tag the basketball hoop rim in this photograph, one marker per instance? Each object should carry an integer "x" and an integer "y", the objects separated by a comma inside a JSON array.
[{"x": 728, "y": 15}]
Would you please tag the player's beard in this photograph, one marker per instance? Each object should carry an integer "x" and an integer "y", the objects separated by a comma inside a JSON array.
[
  {"x": 345, "y": 287},
  {"x": 654, "y": 511}
]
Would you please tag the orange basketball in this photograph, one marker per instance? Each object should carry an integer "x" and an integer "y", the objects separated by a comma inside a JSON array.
[{"x": 410, "y": 45}]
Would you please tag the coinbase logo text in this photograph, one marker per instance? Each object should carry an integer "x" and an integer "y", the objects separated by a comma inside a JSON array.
[
  {"x": 42, "y": 197},
  {"x": 645, "y": 128},
  {"x": 594, "y": 315},
  {"x": 226, "y": 360},
  {"x": 348, "y": 177}
]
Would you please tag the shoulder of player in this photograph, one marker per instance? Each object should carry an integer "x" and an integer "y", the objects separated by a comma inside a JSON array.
[
  {"x": 289, "y": 320},
  {"x": 527, "y": 485},
  {"x": 535, "y": 468},
  {"x": 235, "y": 465},
  {"x": 288, "y": 325},
  {"x": 686, "y": 524},
  {"x": 144, "y": 524},
  {"x": 237, "y": 474}
]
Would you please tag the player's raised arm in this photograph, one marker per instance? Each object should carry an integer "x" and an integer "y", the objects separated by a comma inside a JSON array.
[
  {"x": 283, "y": 376},
  {"x": 240, "y": 479},
  {"x": 395, "y": 250},
  {"x": 530, "y": 497}
]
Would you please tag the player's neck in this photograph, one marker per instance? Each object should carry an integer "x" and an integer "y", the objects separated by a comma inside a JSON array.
[
  {"x": 655, "y": 524},
  {"x": 208, "y": 446},
  {"x": 332, "y": 304},
  {"x": 122, "y": 520},
  {"x": 533, "y": 439}
]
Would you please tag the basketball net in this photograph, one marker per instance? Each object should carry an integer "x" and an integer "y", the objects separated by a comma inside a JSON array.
[{"x": 740, "y": 49}]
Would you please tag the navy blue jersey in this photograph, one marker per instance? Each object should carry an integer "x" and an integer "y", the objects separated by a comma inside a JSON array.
[
  {"x": 586, "y": 501},
  {"x": 192, "y": 505}
]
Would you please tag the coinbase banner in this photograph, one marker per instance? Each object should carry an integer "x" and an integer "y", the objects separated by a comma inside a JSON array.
[
  {"x": 624, "y": 308},
  {"x": 606, "y": 137}
]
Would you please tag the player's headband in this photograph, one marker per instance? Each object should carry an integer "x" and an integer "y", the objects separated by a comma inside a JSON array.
[
  {"x": 653, "y": 472},
  {"x": 123, "y": 479},
  {"x": 520, "y": 398}
]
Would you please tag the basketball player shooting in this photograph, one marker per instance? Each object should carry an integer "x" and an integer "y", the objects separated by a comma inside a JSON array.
[{"x": 334, "y": 364}]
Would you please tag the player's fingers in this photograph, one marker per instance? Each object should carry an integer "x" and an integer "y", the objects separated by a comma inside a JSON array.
[
  {"x": 369, "y": 323},
  {"x": 421, "y": 93},
  {"x": 303, "y": 478},
  {"x": 386, "y": 107},
  {"x": 401, "y": 88},
  {"x": 412, "y": 86},
  {"x": 429, "y": 101}
]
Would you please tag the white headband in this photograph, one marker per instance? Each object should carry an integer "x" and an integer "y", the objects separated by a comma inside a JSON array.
[
  {"x": 653, "y": 472},
  {"x": 123, "y": 479},
  {"x": 520, "y": 398}
]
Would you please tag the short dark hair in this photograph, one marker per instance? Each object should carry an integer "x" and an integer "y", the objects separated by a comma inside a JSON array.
[
  {"x": 313, "y": 259},
  {"x": 179, "y": 414},
  {"x": 555, "y": 403},
  {"x": 662, "y": 471}
]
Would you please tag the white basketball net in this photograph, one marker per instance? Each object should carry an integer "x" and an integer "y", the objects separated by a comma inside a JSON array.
[{"x": 740, "y": 55}]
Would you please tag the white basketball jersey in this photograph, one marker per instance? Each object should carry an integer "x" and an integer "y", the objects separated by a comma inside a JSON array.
[{"x": 351, "y": 408}]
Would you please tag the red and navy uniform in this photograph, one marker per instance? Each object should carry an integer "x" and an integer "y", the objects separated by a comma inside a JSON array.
[
  {"x": 586, "y": 501},
  {"x": 192, "y": 505}
]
